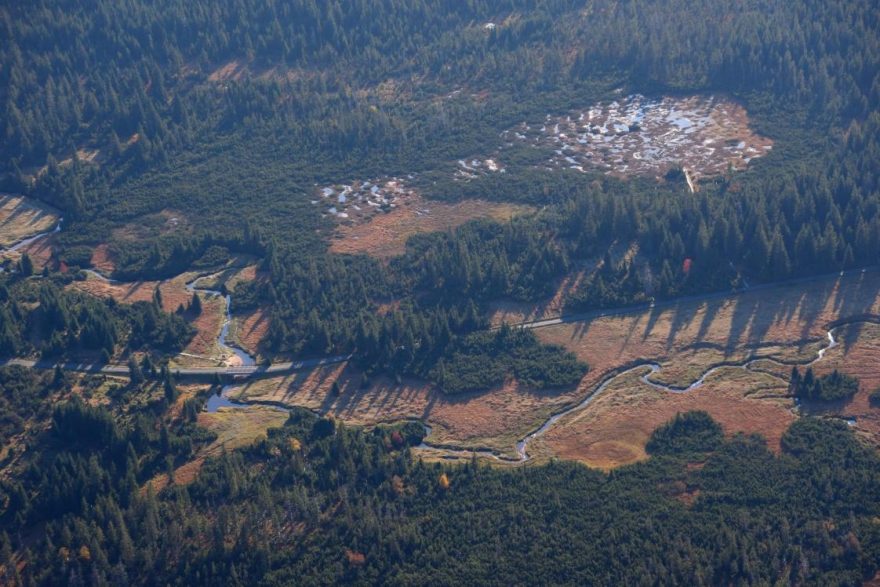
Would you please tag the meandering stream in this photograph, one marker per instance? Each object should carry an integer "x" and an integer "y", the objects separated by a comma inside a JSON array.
[
  {"x": 522, "y": 455},
  {"x": 32, "y": 239},
  {"x": 222, "y": 399},
  {"x": 244, "y": 359}
]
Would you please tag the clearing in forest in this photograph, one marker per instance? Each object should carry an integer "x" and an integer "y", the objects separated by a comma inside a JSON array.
[
  {"x": 361, "y": 200},
  {"x": 704, "y": 135},
  {"x": 384, "y": 234},
  {"x": 235, "y": 428},
  {"x": 786, "y": 323},
  {"x": 494, "y": 419},
  {"x": 22, "y": 218},
  {"x": 150, "y": 226}
]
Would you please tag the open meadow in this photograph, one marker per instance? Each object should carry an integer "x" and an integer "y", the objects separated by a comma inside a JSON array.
[{"x": 773, "y": 328}]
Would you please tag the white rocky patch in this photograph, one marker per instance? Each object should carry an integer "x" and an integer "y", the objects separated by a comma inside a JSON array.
[
  {"x": 360, "y": 200},
  {"x": 638, "y": 135}
]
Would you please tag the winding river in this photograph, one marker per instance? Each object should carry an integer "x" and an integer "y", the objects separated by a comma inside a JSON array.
[
  {"x": 243, "y": 358},
  {"x": 522, "y": 455},
  {"x": 448, "y": 451},
  {"x": 31, "y": 239}
]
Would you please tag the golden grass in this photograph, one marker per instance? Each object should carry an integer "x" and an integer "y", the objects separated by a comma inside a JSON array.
[
  {"x": 235, "y": 428},
  {"x": 138, "y": 291},
  {"x": 22, "y": 217},
  {"x": 786, "y": 323},
  {"x": 858, "y": 355},
  {"x": 614, "y": 429},
  {"x": 385, "y": 234},
  {"x": 102, "y": 261},
  {"x": 493, "y": 419},
  {"x": 249, "y": 328}
]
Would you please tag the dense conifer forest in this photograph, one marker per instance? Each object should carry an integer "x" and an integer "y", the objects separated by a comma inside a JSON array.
[
  {"x": 232, "y": 113},
  {"x": 317, "y": 502},
  {"x": 133, "y": 82}
]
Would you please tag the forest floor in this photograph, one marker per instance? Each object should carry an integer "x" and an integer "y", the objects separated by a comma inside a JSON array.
[{"x": 22, "y": 217}]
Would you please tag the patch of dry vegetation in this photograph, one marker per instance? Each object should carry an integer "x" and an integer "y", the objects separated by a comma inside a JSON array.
[
  {"x": 22, "y": 217},
  {"x": 102, "y": 259},
  {"x": 240, "y": 269},
  {"x": 786, "y": 323},
  {"x": 243, "y": 69},
  {"x": 249, "y": 328},
  {"x": 208, "y": 325},
  {"x": 858, "y": 355},
  {"x": 493, "y": 419},
  {"x": 235, "y": 428},
  {"x": 40, "y": 251},
  {"x": 385, "y": 234},
  {"x": 126, "y": 292},
  {"x": 614, "y": 429},
  {"x": 152, "y": 225}
]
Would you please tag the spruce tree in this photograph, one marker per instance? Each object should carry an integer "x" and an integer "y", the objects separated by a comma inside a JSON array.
[
  {"x": 134, "y": 371},
  {"x": 196, "y": 305},
  {"x": 25, "y": 265},
  {"x": 169, "y": 388}
]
